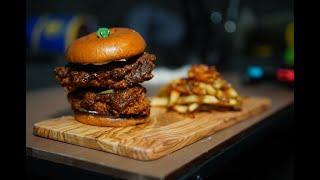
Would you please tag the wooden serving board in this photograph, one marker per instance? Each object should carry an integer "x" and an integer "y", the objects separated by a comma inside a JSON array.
[{"x": 165, "y": 133}]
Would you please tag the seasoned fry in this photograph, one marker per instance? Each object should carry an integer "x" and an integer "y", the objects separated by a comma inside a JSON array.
[
  {"x": 202, "y": 89},
  {"x": 188, "y": 99},
  {"x": 159, "y": 101},
  {"x": 220, "y": 94},
  {"x": 174, "y": 95},
  {"x": 209, "y": 100},
  {"x": 193, "y": 107},
  {"x": 232, "y": 102},
  {"x": 210, "y": 90},
  {"x": 218, "y": 84},
  {"x": 232, "y": 93},
  {"x": 180, "y": 108}
]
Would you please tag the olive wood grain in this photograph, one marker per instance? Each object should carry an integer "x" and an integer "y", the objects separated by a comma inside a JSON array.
[{"x": 165, "y": 133}]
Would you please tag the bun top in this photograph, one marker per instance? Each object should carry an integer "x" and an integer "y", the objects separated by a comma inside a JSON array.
[{"x": 121, "y": 43}]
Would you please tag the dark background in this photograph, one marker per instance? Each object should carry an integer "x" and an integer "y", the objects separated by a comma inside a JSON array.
[{"x": 227, "y": 34}]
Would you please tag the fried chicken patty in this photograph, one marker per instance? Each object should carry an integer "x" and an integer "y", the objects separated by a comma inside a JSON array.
[
  {"x": 125, "y": 103},
  {"x": 114, "y": 75}
]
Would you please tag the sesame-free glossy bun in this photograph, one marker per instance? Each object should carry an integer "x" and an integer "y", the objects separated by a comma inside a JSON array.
[
  {"x": 121, "y": 43},
  {"x": 98, "y": 120}
]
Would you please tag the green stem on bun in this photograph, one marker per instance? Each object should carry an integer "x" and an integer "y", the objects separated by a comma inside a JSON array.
[{"x": 103, "y": 32}]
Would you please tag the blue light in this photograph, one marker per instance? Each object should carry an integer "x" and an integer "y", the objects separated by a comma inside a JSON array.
[
  {"x": 216, "y": 17},
  {"x": 255, "y": 72}
]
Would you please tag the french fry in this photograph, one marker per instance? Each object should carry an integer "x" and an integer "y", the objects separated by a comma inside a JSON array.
[
  {"x": 218, "y": 84},
  {"x": 232, "y": 93},
  {"x": 180, "y": 108},
  {"x": 207, "y": 99},
  {"x": 210, "y": 90},
  {"x": 159, "y": 101},
  {"x": 202, "y": 86},
  {"x": 193, "y": 107},
  {"x": 220, "y": 94},
  {"x": 188, "y": 99},
  {"x": 174, "y": 95},
  {"x": 232, "y": 102}
]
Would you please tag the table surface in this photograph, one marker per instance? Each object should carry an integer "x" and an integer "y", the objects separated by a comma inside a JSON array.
[{"x": 52, "y": 102}]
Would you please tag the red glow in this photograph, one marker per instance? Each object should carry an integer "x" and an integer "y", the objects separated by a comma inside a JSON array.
[{"x": 285, "y": 75}]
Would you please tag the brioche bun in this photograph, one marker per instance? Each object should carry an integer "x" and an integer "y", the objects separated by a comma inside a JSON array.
[{"x": 121, "y": 43}]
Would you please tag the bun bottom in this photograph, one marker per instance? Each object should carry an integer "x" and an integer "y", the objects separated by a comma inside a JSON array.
[{"x": 96, "y": 120}]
